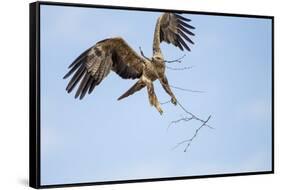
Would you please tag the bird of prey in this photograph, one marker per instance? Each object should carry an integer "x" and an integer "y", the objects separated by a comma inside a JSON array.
[{"x": 114, "y": 54}]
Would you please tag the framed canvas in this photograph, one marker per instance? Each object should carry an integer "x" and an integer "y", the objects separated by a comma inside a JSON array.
[{"x": 121, "y": 94}]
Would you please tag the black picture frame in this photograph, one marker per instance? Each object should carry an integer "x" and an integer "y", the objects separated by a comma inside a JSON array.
[{"x": 34, "y": 94}]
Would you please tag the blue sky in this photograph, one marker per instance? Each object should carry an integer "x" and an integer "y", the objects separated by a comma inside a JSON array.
[{"x": 102, "y": 139}]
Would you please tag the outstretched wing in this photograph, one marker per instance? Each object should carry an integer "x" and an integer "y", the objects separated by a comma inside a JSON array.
[
  {"x": 93, "y": 65},
  {"x": 172, "y": 28}
]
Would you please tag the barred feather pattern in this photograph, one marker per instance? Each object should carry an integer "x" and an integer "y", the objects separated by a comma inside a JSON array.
[{"x": 93, "y": 65}]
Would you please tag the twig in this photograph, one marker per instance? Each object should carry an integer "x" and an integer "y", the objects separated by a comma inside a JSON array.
[
  {"x": 179, "y": 120},
  {"x": 142, "y": 54},
  {"x": 194, "y": 117},
  {"x": 193, "y": 137},
  {"x": 186, "y": 119},
  {"x": 179, "y": 69},
  {"x": 162, "y": 103},
  {"x": 176, "y": 60},
  {"x": 186, "y": 89}
]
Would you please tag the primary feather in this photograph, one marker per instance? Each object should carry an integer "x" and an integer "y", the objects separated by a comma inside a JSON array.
[
  {"x": 93, "y": 65},
  {"x": 172, "y": 28}
]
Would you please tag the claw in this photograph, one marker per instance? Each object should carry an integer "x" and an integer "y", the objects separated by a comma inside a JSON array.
[
  {"x": 160, "y": 110},
  {"x": 174, "y": 101}
]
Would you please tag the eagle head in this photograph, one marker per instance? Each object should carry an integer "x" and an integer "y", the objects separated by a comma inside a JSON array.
[{"x": 157, "y": 58}]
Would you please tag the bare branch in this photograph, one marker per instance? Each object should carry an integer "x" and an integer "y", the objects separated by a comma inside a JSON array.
[
  {"x": 194, "y": 117},
  {"x": 142, "y": 54},
  {"x": 179, "y": 120},
  {"x": 176, "y": 60},
  {"x": 186, "y": 89},
  {"x": 188, "y": 118},
  {"x": 189, "y": 141},
  {"x": 162, "y": 103},
  {"x": 180, "y": 68}
]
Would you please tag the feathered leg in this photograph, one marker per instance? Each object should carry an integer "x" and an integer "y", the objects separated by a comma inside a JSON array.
[
  {"x": 164, "y": 82},
  {"x": 153, "y": 98},
  {"x": 136, "y": 87}
]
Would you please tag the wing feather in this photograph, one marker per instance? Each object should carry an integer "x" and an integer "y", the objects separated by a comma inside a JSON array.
[
  {"x": 185, "y": 37},
  {"x": 82, "y": 85},
  {"x": 92, "y": 87},
  {"x": 75, "y": 79},
  {"x": 179, "y": 45},
  {"x": 185, "y": 24},
  {"x": 86, "y": 88},
  {"x": 79, "y": 58},
  {"x": 183, "y": 43},
  {"x": 172, "y": 28},
  {"x": 74, "y": 68},
  {"x": 185, "y": 30},
  {"x": 93, "y": 65},
  {"x": 182, "y": 18}
]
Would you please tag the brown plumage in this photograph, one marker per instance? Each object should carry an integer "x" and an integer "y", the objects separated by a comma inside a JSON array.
[{"x": 114, "y": 54}]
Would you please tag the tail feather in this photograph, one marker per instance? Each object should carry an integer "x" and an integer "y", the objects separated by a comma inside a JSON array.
[{"x": 136, "y": 87}]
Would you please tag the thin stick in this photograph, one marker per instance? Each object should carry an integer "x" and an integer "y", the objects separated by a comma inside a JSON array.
[
  {"x": 142, "y": 54},
  {"x": 186, "y": 89},
  {"x": 194, "y": 117},
  {"x": 179, "y": 69},
  {"x": 165, "y": 102},
  {"x": 193, "y": 137},
  {"x": 179, "y": 120},
  {"x": 176, "y": 60}
]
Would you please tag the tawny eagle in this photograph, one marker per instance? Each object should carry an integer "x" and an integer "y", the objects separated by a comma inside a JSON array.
[{"x": 114, "y": 54}]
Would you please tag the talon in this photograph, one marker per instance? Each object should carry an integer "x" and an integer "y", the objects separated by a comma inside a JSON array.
[
  {"x": 174, "y": 101},
  {"x": 160, "y": 110}
]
